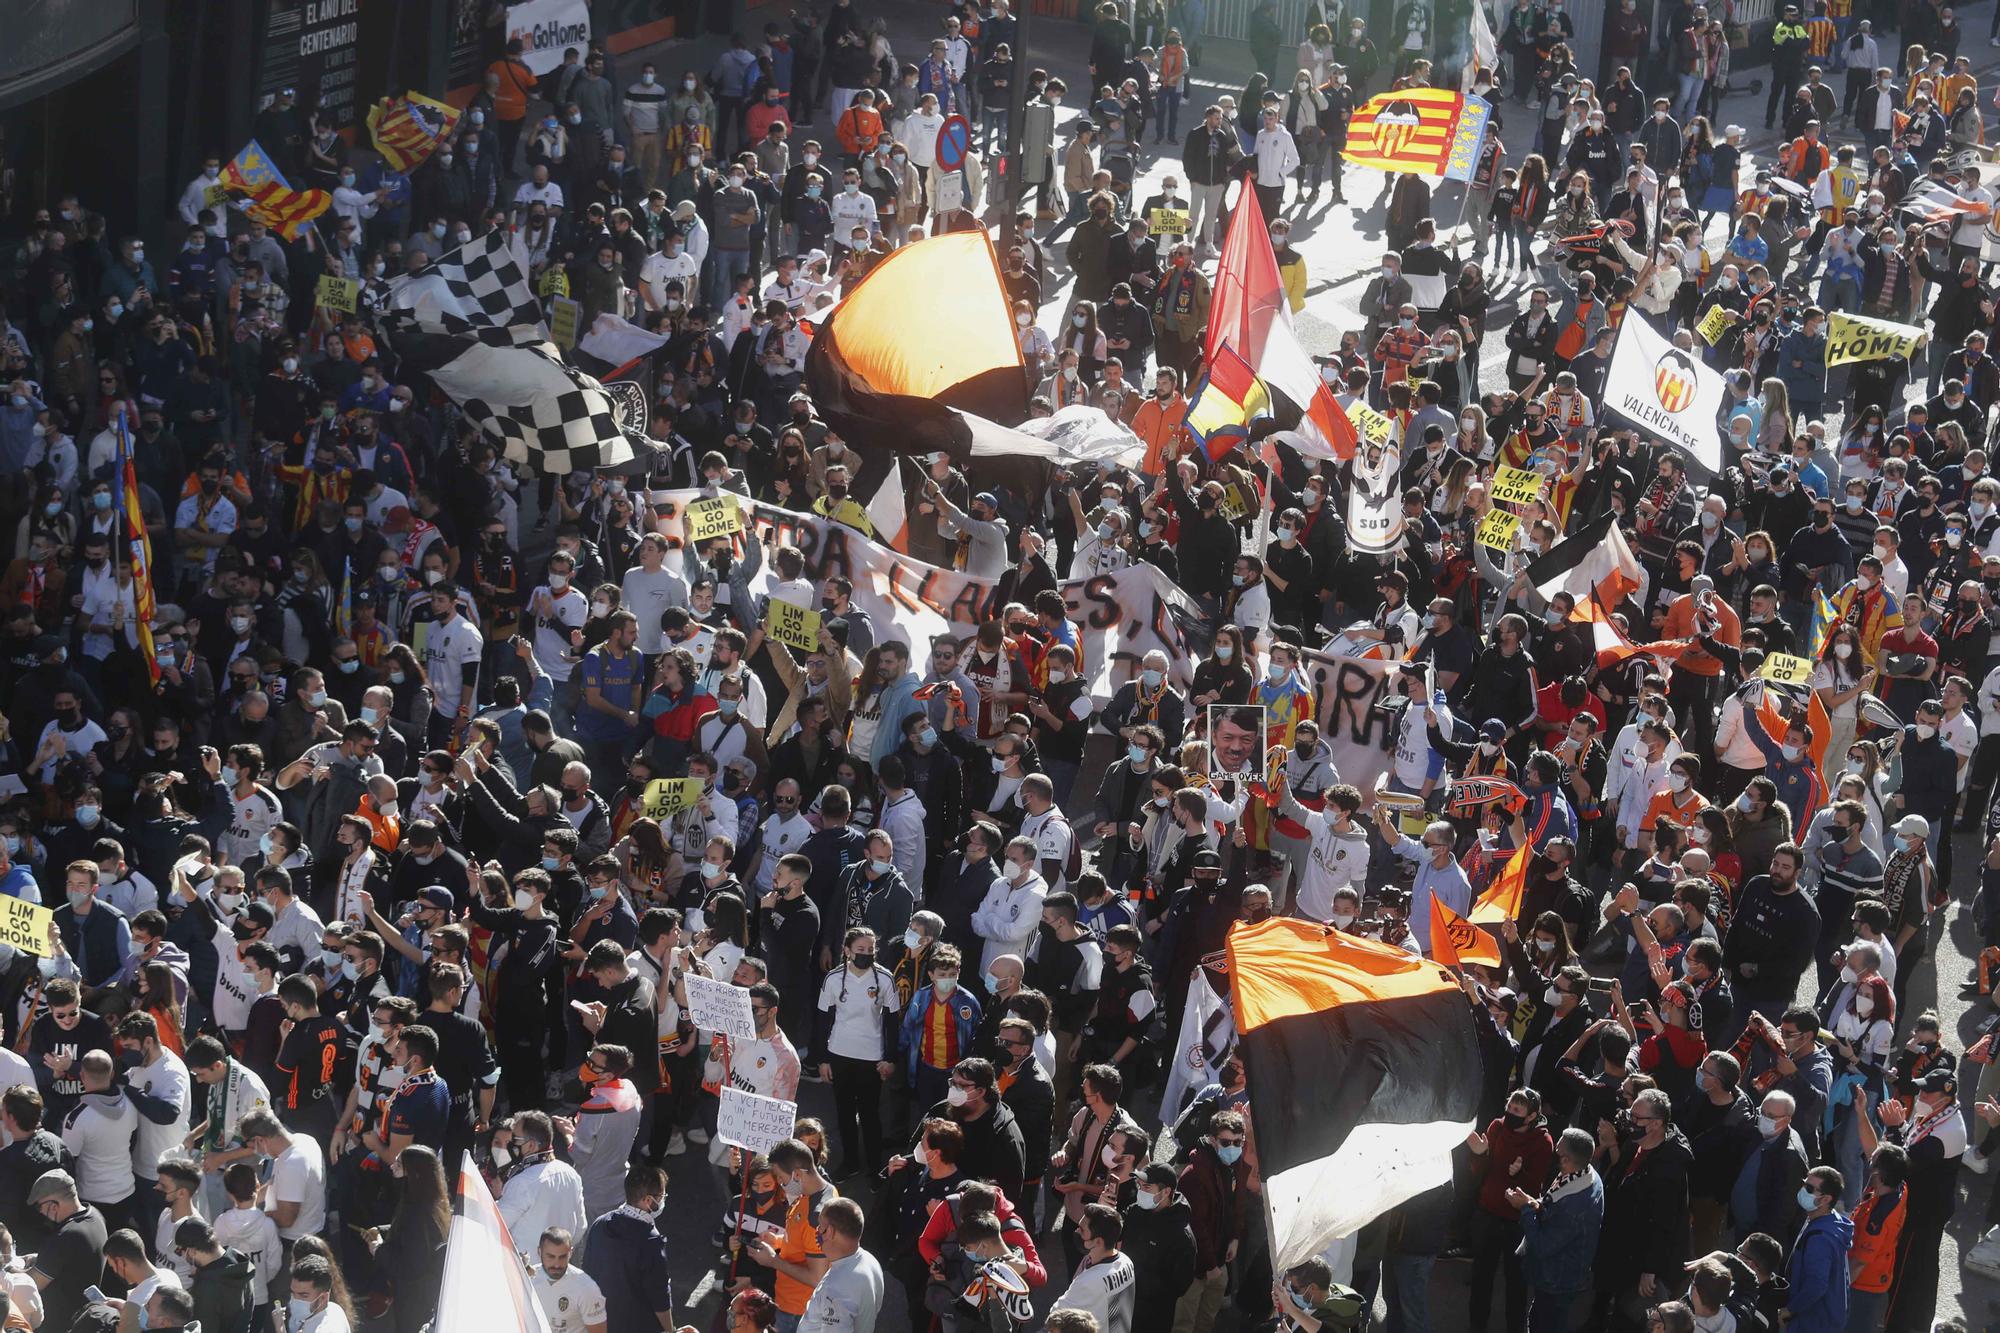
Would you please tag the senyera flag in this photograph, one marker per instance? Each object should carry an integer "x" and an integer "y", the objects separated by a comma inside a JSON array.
[
  {"x": 408, "y": 129},
  {"x": 140, "y": 546},
  {"x": 1228, "y": 399},
  {"x": 270, "y": 198},
  {"x": 485, "y": 1283},
  {"x": 1363, "y": 1071},
  {"x": 1422, "y": 131}
]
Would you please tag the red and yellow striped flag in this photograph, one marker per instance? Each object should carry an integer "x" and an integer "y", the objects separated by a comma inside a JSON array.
[
  {"x": 1425, "y": 131},
  {"x": 408, "y": 129},
  {"x": 141, "y": 547}
]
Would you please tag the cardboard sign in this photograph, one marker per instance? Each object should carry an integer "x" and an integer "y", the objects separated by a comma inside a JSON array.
[
  {"x": 794, "y": 626},
  {"x": 718, "y": 516},
  {"x": 1236, "y": 502},
  {"x": 1171, "y": 221},
  {"x": 1370, "y": 425},
  {"x": 1714, "y": 324},
  {"x": 342, "y": 294},
  {"x": 564, "y": 317},
  {"x": 752, "y": 1123},
  {"x": 1496, "y": 530},
  {"x": 554, "y": 282},
  {"x": 1859, "y": 338},
  {"x": 1786, "y": 669},
  {"x": 717, "y": 1006},
  {"x": 25, "y": 925},
  {"x": 665, "y": 797},
  {"x": 1515, "y": 486}
]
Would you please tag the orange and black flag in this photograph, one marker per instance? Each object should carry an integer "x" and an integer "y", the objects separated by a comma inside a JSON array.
[
  {"x": 876, "y": 384},
  {"x": 1363, "y": 1070},
  {"x": 1503, "y": 897},
  {"x": 1456, "y": 941},
  {"x": 1422, "y": 131}
]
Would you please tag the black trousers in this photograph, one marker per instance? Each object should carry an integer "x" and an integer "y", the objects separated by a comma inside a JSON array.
[{"x": 857, "y": 1101}]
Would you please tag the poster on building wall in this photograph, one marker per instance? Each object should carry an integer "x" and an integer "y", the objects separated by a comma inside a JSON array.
[
  {"x": 314, "y": 47},
  {"x": 546, "y": 28}
]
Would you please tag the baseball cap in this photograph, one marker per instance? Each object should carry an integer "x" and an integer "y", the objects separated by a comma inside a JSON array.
[
  {"x": 437, "y": 896},
  {"x": 52, "y": 1185}
]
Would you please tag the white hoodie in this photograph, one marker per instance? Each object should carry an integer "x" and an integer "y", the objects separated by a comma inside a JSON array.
[
  {"x": 251, "y": 1232},
  {"x": 1008, "y": 917}
]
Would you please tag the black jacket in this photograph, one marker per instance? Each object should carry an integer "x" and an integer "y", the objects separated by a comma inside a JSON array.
[
  {"x": 1032, "y": 1099},
  {"x": 224, "y": 1299},
  {"x": 1210, "y": 157},
  {"x": 1646, "y": 1215},
  {"x": 994, "y": 1147},
  {"x": 1160, "y": 1242}
]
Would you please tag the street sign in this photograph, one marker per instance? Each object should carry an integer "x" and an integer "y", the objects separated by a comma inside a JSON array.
[{"x": 954, "y": 138}]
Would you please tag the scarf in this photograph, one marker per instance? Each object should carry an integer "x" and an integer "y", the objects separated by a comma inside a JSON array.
[
  {"x": 1562, "y": 1178},
  {"x": 1897, "y": 877},
  {"x": 1663, "y": 495}
]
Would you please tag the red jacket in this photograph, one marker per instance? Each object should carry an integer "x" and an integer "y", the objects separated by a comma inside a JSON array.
[
  {"x": 1217, "y": 1196},
  {"x": 944, "y": 1222},
  {"x": 1529, "y": 1145}
]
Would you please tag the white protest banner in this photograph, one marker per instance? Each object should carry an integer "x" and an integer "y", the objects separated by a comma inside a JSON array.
[
  {"x": 545, "y": 27},
  {"x": 1121, "y": 615},
  {"x": 752, "y": 1123},
  {"x": 717, "y": 1006},
  {"x": 1350, "y": 689}
]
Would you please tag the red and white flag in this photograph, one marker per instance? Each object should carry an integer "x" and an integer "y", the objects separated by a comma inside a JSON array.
[{"x": 1249, "y": 312}]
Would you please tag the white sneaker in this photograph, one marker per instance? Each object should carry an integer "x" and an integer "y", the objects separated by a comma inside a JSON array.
[
  {"x": 677, "y": 1145},
  {"x": 698, "y": 1135},
  {"x": 1976, "y": 1161}
]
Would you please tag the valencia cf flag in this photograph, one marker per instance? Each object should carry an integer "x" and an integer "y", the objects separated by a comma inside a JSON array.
[
  {"x": 1363, "y": 1071},
  {"x": 1502, "y": 899}
]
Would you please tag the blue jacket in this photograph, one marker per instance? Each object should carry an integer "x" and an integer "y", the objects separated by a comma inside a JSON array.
[
  {"x": 965, "y": 1008},
  {"x": 1818, "y": 1274},
  {"x": 1801, "y": 789},
  {"x": 898, "y": 702},
  {"x": 1560, "y": 1237}
]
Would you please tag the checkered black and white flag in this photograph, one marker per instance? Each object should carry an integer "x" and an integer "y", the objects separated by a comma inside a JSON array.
[{"x": 472, "y": 324}]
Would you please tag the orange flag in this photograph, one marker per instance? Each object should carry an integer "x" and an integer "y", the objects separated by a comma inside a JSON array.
[
  {"x": 1456, "y": 941},
  {"x": 1822, "y": 728},
  {"x": 1502, "y": 899}
]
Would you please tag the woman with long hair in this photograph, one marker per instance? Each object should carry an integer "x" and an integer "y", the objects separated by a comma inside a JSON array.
[
  {"x": 404, "y": 675},
  {"x": 1709, "y": 830},
  {"x": 1774, "y": 437},
  {"x": 1084, "y": 338},
  {"x": 1838, "y": 680},
  {"x": 643, "y": 858},
  {"x": 157, "y": 995},
  {"x": 1910, "y": 892},
  {"x": 412, "y": 1251}
]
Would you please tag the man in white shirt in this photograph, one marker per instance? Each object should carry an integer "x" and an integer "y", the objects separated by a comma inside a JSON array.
[
  {"x": 452, "y": 651},
  {"x": 1011, "y": 912},
  {"x": 538, "y": 189},
  {"x": 786, "y": 830},
  {"x": 570, "y": 1297},
  {"x": 295, "y": 1196},
  {"x": 125, "y": 1256},
  {"x": 1048, "y": 827},
  {"x": 157, "y": 1084},
  {"x": 540, "y": 1194},
  {"x": 98, "y": 1131},
  {"x": 311, "y": 1309},
  {"x": 1277, "y": 158},
  {"x": 671, "y": 263},
  {"x": 194, "y": 199},
  {"x": 1106, "y": 1284}
]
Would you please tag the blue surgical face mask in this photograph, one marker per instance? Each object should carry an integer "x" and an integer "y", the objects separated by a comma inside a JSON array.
[
  {"x": 264, "y": 844},
  {"x": 229, "y": 775},
  {"x": 552, "y": 864},
  {"x": 928, "y": 736},
  {"x": 881, "y": 867},
  {"x": 371, "y": 716},
  {"x": 1136, "y": 753},
  {"x": 1229, "y": 1153},
  {"x": 1806, "y": 1197},
  {"x": 728, "y": 707},
  {"x": 397, "y": 678},
  {"x": 710, "y": 870},
  {"x": 599, "y": 892},
  {"x": 1152, "y": 679},
  {"x": 88, "y": 815}
]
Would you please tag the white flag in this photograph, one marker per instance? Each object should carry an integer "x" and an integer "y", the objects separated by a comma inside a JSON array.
[
  {"x": 1208, "y": 1036},
  {"x": 1665, "y": 392},
  {"x": 485, "y": 1280}
]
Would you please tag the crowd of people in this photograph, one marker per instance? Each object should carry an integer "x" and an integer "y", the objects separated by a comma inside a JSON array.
[{"x": 364, "y": 871}]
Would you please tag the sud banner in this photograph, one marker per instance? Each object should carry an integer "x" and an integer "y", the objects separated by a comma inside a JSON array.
[
  {"x": 1852, "y": 338},
  {"x": 1122, "y": 615},
  {"x": 1665, "y": 392}
]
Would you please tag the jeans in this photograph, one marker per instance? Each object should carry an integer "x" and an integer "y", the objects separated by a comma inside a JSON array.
[
  {"x": 1170, "y": 116},
  {"x": 993, "y": 125},
  {"x": 1839, "y": 293},
  {"x": 1409, "y": 1294},
  {"x": 1690, "y": 91},
  {"x": 725, "y": 266},
  {"x": 1865, "y": 1310},
  {"x": 1550, "y": 1312},
  {"x": 1062, "y": 772}
]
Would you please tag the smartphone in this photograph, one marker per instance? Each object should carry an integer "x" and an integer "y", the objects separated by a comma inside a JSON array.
[
  {"x": 93, "y": 1296},
  {"x": 1598, "y": 996}
]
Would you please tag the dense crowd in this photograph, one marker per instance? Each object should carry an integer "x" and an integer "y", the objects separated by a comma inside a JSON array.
[{"x": 358, "y": 876}]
